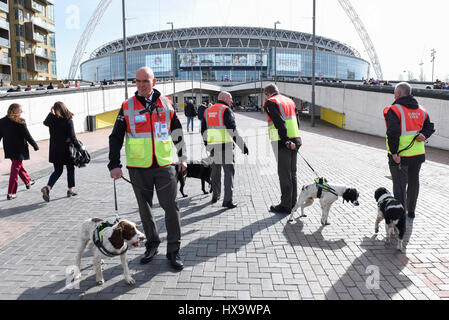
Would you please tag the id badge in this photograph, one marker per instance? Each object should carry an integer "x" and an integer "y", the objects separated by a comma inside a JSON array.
[
  {"x": 161, "y": 130},
  {"x": 140, "y": 118}
]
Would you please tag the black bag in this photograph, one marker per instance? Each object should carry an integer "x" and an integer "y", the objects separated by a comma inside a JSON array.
[{"x": 79, "y": 155}]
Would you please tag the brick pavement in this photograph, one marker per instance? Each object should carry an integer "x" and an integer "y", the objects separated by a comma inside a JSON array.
[{"x": 243, "y": 253}]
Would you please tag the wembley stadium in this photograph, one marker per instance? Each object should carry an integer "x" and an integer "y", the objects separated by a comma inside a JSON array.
[{"x": 226, "y": 54}]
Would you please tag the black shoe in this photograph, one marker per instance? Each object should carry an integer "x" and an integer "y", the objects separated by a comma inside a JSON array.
[
  {"x": 148, "y": 255},
  {"x": 11, "y": 196},
  {"x": 46, "y": 193},
  {"x": 215, "y": 199},
  {"x": 279, "y": 209},
  {"x": 411, "y": 215},
  {"x": 30, "y": 184},
  {"x": 71, "y": 194},
  {"x": 230, "y": 205},
  {"x": 175, "y": 260}
]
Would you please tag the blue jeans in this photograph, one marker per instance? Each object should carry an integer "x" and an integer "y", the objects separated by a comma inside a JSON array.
[{"x": 190, "y": 120}]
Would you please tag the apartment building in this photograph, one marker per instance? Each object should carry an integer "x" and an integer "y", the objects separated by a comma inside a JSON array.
[
  {"x": 32, "y": 35},
  {"x": 5, "y": 57}
]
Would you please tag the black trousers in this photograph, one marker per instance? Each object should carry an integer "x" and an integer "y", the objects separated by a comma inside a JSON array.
[
  {"x": 406, "y": 184},
  {"x": 287, "y": 169},
  {"x": 163, "y": 179},
  {"x": 59, "y": 167}
]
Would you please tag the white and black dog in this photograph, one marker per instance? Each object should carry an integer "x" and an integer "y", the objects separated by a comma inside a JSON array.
[
  {"x": 327, "y": 194},
  {"x": 393, "y": 212},
  {"x": 110, "y": 240}
]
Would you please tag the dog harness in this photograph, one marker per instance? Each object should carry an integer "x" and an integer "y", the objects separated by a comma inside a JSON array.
[
  {"x": 97, "y": 239},
  {"x": 321, "y": 184}
]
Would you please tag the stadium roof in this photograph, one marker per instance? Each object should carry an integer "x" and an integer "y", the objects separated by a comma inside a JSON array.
[{"x": 224, "y": 37}]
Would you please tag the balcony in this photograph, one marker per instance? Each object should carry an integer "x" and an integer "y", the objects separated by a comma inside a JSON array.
[
  {"x": 3, "y": 23},
  {"x": 34, "y": 6},
  {"x": 38, "y": 53},
  {"x": 4, "y": 42},
  {"x": 5, "y": 77},
  {"x": 4, "y": 7},
  {"x": 32, "y": 35},
  {"x": 5, "y": 61},
  {"x": 47, "y": 27},
  {"x": 34, "y": 65}
]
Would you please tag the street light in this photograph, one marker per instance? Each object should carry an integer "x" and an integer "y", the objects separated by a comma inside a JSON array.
[
  {"x": 173, "y": 63},
  {"x": 432, "y": 54},
  {"x": 191, "y": 64},
  {"x": 312, "y": 107},
  {"x": 125, "y": 62},
  {"x": 260, "y": 77},
  {"x": 275, "y": 51}
]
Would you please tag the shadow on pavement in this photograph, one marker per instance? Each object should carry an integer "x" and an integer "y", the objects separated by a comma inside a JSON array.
[{"x": 296, "y": 237}]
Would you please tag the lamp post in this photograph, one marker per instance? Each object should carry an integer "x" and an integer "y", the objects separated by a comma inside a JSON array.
[
  {"x": 173, "y": 63},
  {"x": 313, "y": 65},
  {"x": 125, "y": 62},
  {"x": 432, "y": 54},
  {"x": 260, "y": 78},
  {"x": 191, "y": 64},
  {"x": 275, "y": 51}
]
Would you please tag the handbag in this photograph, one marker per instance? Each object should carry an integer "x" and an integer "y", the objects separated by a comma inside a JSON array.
[{"x": 79, "y": 154}]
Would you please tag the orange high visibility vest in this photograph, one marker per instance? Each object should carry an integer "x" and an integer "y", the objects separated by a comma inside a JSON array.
[
  {"x": 287, "y": 109},
  {"x": 216, "y": 129}
]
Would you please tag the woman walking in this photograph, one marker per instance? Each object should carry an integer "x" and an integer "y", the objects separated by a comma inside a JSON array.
[
  {"x": 62, "y": 133},
  {"x": 15, "y": 135}
]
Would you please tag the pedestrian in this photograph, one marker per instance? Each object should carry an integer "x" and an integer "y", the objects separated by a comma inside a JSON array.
[
  {"x": 201, "y": 110},
  {"x": 219, "y": 132},
  {"x": 190, "y": 113},
  {"x": 15, "y": 135},
  {"x": 150, "y": 125},
  {"x": 50, "y": 86},
  {"x": 61, "y": 85},
  {"x": 62, "y": 134},
  {"x": 28, "y": 88},
  {"x": 408, "y": 127},
  {"x": 283, "y": 132}
]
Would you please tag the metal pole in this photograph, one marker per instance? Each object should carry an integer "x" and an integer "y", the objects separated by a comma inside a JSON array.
[
  {"x": 260, "y": 78},
  {"x": 313, "y": 65},
  {"x": 173, "y": 64},
  {"x": 191, "y": 64},
  {"x": 275, "y": 52},
  {"x": 125, "y": 60},
  {"x": 433, "y": 51}
]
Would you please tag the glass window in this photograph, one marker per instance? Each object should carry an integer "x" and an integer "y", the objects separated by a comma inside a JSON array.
[
  {"x": 51, "y": 12},
  {"x": 18, "y": 14},
  {"x": 20, "y": 46},
  {"x": 52, "y": 40}
]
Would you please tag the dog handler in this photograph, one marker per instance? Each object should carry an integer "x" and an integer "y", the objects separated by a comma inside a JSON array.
[
  {"x": 408, "y": 126},
  {"x": 219, "y": 133},
  {"x": 150, "y": 125},
  {"x": 283, "y": 131}
]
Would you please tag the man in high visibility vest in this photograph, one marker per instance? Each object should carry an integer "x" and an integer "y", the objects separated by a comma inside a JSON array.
[
  {"x": 151, "y": 126},
  {"x": 219, "y": 134},
  {"x": 283, "y": 132},
  {"x": 408, "y": 126}
]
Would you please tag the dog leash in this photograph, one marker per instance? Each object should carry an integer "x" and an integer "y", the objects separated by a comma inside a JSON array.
[{"x": 327, "y": 188}]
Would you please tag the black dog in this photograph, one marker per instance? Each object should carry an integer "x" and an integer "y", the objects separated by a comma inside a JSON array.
[
  {"x": 393, "y": 212},
  {"x": 195, "y": 169}
]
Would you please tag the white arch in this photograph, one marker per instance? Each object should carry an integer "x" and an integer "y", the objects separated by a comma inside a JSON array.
[
  {"x": 85, "y": 37},
  {"x": 363, "y": 34}
]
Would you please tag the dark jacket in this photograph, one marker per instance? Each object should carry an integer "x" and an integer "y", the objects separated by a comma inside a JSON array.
[
  {"x": 394, "y": 130},
  {"x": 229, "y": 122},
  {"x": 62, "y": 134},
  {"x": 189, "y": 110},
  {"x": 201, "y": 110},
  {"x": 279, "y": 123},
  {"x": 118, "y": 135},
  {"x": 15, "y": 139}
]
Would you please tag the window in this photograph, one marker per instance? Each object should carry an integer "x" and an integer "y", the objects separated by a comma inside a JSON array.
[
  {"x": 53, "y": 55},
  {"x": 19, "y": 30},
  {"x": 53, "y": 68},
  {"x": 52, "y": 40},
  {"x": 20, "y": 46},
  {"x": 51, "y": 13},
  {"x": 20, "y": 2},
  {"x": 18, "y": 14}
]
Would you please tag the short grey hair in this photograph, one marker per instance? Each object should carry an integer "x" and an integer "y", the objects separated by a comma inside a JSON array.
[{"x": 404, "y": 88}]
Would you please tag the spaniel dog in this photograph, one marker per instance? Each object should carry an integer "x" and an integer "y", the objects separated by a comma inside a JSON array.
[
  {"x": 393, "y": 212},
  {"x": 327, "y": 195},
  {"x": 110, "y": 240}
]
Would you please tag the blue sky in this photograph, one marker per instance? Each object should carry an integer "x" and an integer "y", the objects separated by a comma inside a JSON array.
[{"x": 403, "y": 32}]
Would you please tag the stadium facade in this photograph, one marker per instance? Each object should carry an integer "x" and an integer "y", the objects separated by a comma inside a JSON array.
[{"x": 226, "y": 54}]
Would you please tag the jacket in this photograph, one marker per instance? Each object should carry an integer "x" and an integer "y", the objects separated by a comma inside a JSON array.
[
  {"x": 189, "y": 110},
  {"x": 393, "y": 124},
  {"x": 117, "y": 136},
  {"x": 201, "y": 110},
  {"x": 62, "y": 133},
  {"x": 273, "y": 112},
  {"x": 15, "y": 139}
]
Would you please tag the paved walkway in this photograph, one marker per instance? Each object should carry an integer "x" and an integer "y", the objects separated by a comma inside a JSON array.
[{"x": 243, "y": 253}]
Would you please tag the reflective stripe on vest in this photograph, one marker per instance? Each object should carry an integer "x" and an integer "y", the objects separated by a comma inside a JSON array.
[
  {"x": 407, "y": 138},
  {"x": 217, "y": 133},
  {"x": 290, "y": 120},
  {"x": 139, "y": 145}
]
